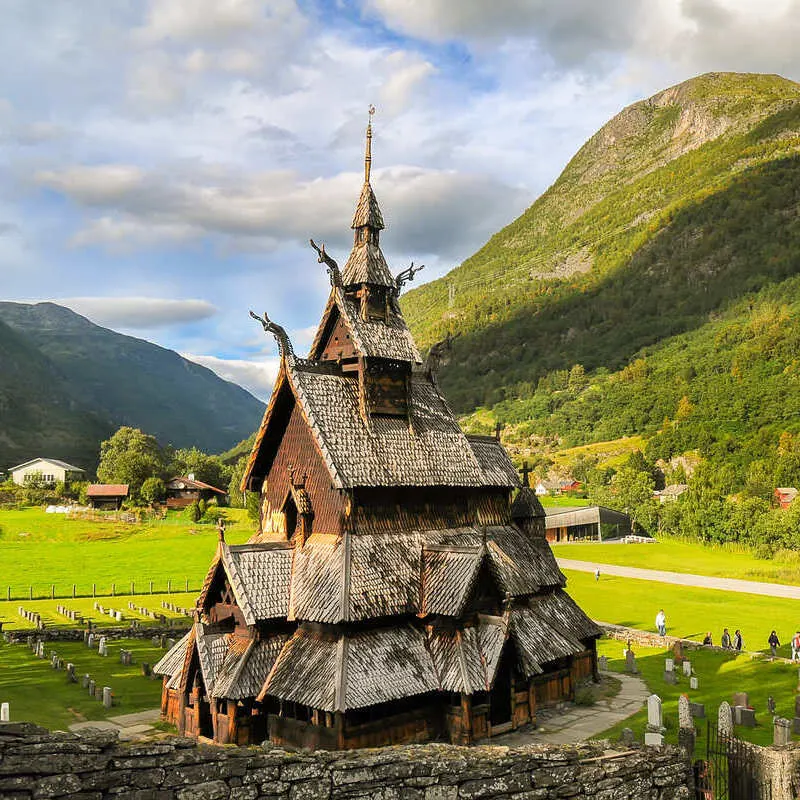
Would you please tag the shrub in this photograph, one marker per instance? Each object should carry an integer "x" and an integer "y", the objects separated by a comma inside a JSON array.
[{"x": 193, "y": 512}]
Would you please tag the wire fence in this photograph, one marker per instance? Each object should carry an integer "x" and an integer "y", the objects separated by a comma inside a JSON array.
[{"x": 54, "y": 591}]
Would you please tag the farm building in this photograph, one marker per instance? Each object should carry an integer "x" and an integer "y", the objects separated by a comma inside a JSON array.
[
  {"x": 785, "y": 495},
  {"x": 107, "y": 496},
  {"x": 183, "y": 490},
  {"x": 570, "y": 524},
  {"x": 52, "y": 471},
  {"x": 400, "y": 587}
]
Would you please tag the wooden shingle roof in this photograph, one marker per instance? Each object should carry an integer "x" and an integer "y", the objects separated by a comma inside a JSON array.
[
  {"x": 368, "y": 212},
  {"x": 366, "y": 264}
]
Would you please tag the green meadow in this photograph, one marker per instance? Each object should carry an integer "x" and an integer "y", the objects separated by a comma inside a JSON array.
[
  {"x": 38, "y": 693},
  {"x": 690, "y": 612},
  {"x": 680, "y": 556},
  {"x": 42, "y": 551},
  {"x": 719, "y": 676}
]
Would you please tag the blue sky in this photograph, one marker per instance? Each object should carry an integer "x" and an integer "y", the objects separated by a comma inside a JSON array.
[{"x": 164, "y": 162}]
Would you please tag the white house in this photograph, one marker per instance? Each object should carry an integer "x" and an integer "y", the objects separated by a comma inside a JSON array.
[{"x": 51, "y": 469}]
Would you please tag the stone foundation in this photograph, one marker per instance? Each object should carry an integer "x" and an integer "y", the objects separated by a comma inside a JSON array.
[{"x": 38, "y": 764}]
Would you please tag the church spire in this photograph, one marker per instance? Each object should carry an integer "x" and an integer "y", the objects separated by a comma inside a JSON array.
[{"x": 368, "y": 152}]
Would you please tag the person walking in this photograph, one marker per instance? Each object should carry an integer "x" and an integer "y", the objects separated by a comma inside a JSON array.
[
  {"x": 796, "y": 647},
  {"x": 597, "y": 573},
  {"x": 738, "y": 643},
  {"x": 774, "y": 643},
  {"x": 725, "y": 641},
  {"x": 661, "y": 623}
]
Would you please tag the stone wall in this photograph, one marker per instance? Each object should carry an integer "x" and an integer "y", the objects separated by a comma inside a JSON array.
[
  {"x": 651, "y": 639},
  {"x": 175, "y": 631},
  {"x": 38, "y": 764}
]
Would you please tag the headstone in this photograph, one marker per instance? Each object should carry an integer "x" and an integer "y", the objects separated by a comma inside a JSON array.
[
  {"x": 670, "y": 676},
  {"x": 85, "y": 681},
  {"x": 602, "y": 663},
  {"x": 796, "y": 726},
  {"x": 694, "y": 683},
  {"x": 630, "y": 662},
  {"x": 627, "y": 738},
  {"x": 102, "y": 648},
  {"x": 740, "y": 699},
  {"x": 654, "y": 717},
  {"x": 5, "y": 713},
  {"x": 687, "y": 668},
  {"x": 684, "y": 712},
  {"x": 90, "y": 640},
  {"x": 71, "y": 673},
  {"x": 697, "y": 710},
  {"x": 782, "y": 732},
  {"x": 155, "y": 641},
  {"x": 669, "y": 664},
  {"x": 746, "y": 717},
  {"x": 653, "y": 739},
  {"x": 92, "y": 687},
  {"x": 797, "y": 706},
  {"x": 146, "y": 670},
  {"x": 725, "y": 719},
  {"x": 107, "y": 698},
  {"x": 771, "y": 705}
]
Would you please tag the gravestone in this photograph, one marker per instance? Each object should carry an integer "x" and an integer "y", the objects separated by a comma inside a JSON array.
[
  {"x": 630, "y": 662},
  {"x": 740, "y": 699},
  {"x": 654, "y": 735},
  {"x": 107, "y": 697},
  {"x": 5, "y": 713},
  {"x": 671, "y": 677},
  {"x": 771, "y": 705},
  {"x": 155, "y": 641},
  {"x": 669, "y": 664},
  {"x": 602, "y": 663},
  {"x": 627, "y": 738},
  {"x": 687, "y": 668},
  {"x": 747, "y": 717},
  {"x": 697, "y": 710},
  {"x": 782, "y": 732},
  {"x": 147, "y": 670},
  {"x": 102, "y": 648},
  {"x": 686, "y": 733},
  {"x": 90, "y": 640},
  {"x": 71, "y": 673},
  {"x": 796, "y": 725},
  {"x": 725, "y": 719},
  {"x": 694, "y": 683},
  {"x": 92, "y": 687},
  {"x": 85, "y": 681},
  {"x": 40, "y": 650},
  {"x": 797, "y": 706}
]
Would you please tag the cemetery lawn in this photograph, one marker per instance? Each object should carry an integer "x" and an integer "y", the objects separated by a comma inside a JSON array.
[
  {"x": 690, "y": 611},
  {"x": 692, "y": 557},
  {"x": 45, "y": 550},
  {"x": 720, "y": 675},
  {"x": 38, "y": 693},
  {"x": 11, "y": 620}
]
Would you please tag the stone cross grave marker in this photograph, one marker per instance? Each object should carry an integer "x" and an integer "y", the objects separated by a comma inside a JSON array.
[
  {"x": 630, "y": 662},
  {"x": 782, "y": 732},
  {"x": 725, "y": 719}
]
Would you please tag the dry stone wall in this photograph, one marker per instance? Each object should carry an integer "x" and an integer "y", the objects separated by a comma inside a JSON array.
[{"x": 36, "y": 764}]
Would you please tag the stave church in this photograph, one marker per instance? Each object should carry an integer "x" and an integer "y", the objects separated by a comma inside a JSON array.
[{"x": 400, "y": 587}]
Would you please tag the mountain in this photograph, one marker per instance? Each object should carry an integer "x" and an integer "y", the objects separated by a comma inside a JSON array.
[
  {"x": 662, "y": 264},
  {"x": 67, "y": 383}
]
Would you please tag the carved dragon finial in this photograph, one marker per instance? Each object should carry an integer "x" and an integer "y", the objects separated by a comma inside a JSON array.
[
  {"x": 281, "y": 337},
  {"x": 333, "y": 268},
  {"x": 436, "y": 354},
  {"x": 406, "y": 276}
]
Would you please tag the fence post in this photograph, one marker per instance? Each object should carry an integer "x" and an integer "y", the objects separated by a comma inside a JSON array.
[
  {"x": 30, "y": 592},
  {"x": 113, "y": 589},
  {"x": 8, "y": 593},
  {"x": 133, "y": 587},
  {"x": 94, "y": 590},
  {"x": 187, "y": 584},
  {"x": 169, "y": 587},
  {"x": 151, "y": 587},
  {"x": 73, "y": 591},
  {"x": 52, "y": 591}
]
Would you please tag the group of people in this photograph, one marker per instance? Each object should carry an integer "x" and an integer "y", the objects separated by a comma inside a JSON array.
[
  {"x": 736, "y": 642},
  {"x": 726, "y": 642}
]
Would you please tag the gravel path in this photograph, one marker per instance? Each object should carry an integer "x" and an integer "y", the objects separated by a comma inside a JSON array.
[{"x": 685, "y": 579}]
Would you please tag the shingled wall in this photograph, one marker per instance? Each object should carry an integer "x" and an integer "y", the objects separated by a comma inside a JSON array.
[{"x": 38, "y": 764}]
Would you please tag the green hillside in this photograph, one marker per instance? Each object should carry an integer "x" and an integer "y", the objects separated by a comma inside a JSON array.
[
  {"x": 663, "y": 264},
  {"x": 67, "y": 383}
]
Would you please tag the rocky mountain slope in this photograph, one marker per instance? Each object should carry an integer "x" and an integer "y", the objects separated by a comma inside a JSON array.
[{"x": 66, "y": 383}]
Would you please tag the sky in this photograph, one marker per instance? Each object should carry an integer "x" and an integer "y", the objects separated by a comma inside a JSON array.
[{"x": 163, "y": 163}]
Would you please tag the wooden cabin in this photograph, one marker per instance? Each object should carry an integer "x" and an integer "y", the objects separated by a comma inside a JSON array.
[
  {"x": 183, "y": 490},
  {"x": 107, "y": 496},
  {"x": 400, "y": 587}
]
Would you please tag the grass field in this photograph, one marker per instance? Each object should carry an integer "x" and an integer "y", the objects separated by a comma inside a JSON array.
[
  {"x": 690, "y": 612},
  {"x": 679, "y": 556},
  {"x": 46, "y": 550},
  {"x": 720, "y": 675},
  {"x": 561, "y": 501},
  {"x": 38, "y": 693}
]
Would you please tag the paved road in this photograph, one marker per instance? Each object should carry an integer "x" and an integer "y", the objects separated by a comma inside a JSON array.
[
  {"x": 685, "y": 579},
  {"x": 579, "y": 723}
]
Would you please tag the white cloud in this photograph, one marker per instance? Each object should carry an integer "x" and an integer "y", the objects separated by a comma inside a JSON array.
[
  {"x": 255, "y": 376},
  {"x": 138, "y": 313},
  {"x": 181, "y": 20}
]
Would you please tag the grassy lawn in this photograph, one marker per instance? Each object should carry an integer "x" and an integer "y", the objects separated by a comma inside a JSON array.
[
  {"x": 678, "y": 556},
  {"x": 561, "y": 501},
  {"x": 9, "y": 611},
  {"x": 51, "y": 549},
  {"x": 38, "y": 693},
  {"x": 690, "y": 612},
  {"x": 720, "y": 675}
]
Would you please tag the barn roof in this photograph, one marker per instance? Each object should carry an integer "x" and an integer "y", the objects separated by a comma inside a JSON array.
[
  {"x": 107, "y": 490},
  {"x": 193, "y": 483},
  {"x": 56, "y": 461}
]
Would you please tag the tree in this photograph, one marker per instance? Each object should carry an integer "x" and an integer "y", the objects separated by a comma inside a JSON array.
[
  {"x": 634, "y": 493},
  {"x": 235, "y": 495},
  {"x": 130, "y": 456},
  {"x": 206, "y": 468},
  {"x": 153, "y": 491}
]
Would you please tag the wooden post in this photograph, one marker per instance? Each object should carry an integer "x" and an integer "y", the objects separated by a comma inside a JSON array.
[
  {"x": 8, "y": 593},
  {"x": 151, "y": 587},
  {"x": 94, "y": 590},
  {"x": 532, "y": 701},
  {"x": 169, "y": 586},
  {"x": 338, "y": 724},
  {"x": 52, "y": 591},
  {"x": 73, "y": 591},
  {"x": 113, "y": 589},
  {"x": 466, "y": 718}
]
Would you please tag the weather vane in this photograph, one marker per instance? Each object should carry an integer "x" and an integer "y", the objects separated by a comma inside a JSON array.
[{"x": 371, "y": 112}]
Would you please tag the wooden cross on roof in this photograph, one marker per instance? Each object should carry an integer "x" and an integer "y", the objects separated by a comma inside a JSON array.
[
  {"x": 497, "y": 429},
  {"x": 525, "y": 471}
]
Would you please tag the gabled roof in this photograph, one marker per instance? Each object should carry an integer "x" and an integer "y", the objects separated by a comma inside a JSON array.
[
  {"x": 494, "y": 460},
  {"x": 57, "y": 462},
  {"x": 172, "y": 661},
  {"x": 246, "y": 665},
  {"x": 107, "y": 490},
  {"x": 259, "y": 576},
  {"x": 372, "y": 338},
  {"x": 192, "y": 483}
]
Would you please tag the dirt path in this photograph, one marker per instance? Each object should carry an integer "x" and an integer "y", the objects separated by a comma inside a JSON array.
[{"x": 685, "y": 579}]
